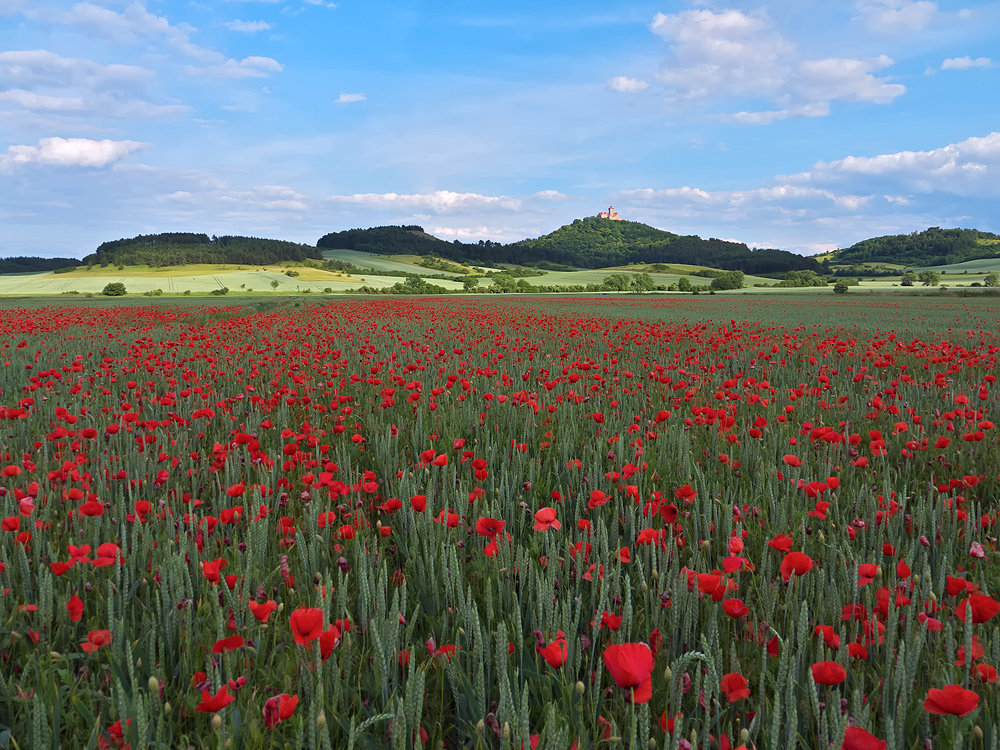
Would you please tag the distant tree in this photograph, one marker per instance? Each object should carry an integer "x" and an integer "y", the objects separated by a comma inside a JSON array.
[
  {"x": 992, "y": 279},
  {"x": 909, "y": 279},
  {"x": 841, "y": 287},
  {"x": 929, "y": 278},
  {"x": 616, "y": 282},
  {"x": 728, "y": 280},
  {"x": 470, "y": 283},
  {"x": 275, "y": 283},
  {"x": 684, "y": 284},
  {"x": 114, "y": 289},
  {"x": 643, "y": 282}
]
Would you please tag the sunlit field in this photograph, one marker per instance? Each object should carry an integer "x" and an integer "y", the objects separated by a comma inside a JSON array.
[{"x": 564, "y": 522}]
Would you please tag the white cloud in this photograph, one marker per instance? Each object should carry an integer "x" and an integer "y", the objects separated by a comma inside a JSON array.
[
  {"x": 349, "y": 98},
  {"x": 822, "y": 109},
  {"x": 897, "y": 16},
  {"x": 964, "y": 63},
  {"x": 247, "y": 27},
  {"x": 441, "y": 201},
  {"x": 732, "y": 53},
  {"x": 626, "y": 85},
  {"x": 550, "y": 195},
  {"x": 322, "y": 3},
  {"x": 784, "y": 197},
  {"x": 967, "y": 168},
  {"x": 103, "y": 105},
  {"x": 69, "y": 152},
  {"x": 43, "y": 68},
  {"x": 134, "y": 24},
  {"x": 248, "y": 67}
]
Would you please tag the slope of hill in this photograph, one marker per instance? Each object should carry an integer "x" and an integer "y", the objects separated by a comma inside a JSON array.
[
  {"x": 586, "y": 243},
  {"x": 932, "y": 247},
  {"x": 179, "y": 248},
  {"x": 597, "y": 243}
]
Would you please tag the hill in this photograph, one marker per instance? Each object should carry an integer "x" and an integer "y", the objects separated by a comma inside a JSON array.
[
  {"x": 932, "y": 247},
  {"x": 31, "y": 264},
  {"x": 180, "y": 248},
  {"x": 597, "y": 243},
  {"x": 586, "y": 243}
]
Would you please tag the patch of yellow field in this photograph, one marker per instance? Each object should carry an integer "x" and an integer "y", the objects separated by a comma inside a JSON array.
[{"x": 205, "y": 269}]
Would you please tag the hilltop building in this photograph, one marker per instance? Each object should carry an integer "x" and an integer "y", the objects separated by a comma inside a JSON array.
[{"x": 610, "y": 214}]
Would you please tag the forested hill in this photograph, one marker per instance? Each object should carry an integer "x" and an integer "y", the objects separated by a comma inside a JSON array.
[
  {"x": 391, "y": 240},
  {"x": 932, "y": 247},
  {"x": 26, "y": 264},
  {"x": 178, "y": 248},
  {"x": 598, "y": 243},
  {"x": 586, "y": 243}
]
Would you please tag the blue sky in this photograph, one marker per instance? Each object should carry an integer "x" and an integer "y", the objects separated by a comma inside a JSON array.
[{"x": 797, "y": 124}]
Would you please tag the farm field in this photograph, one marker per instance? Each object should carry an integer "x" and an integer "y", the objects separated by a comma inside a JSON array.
[{"x": 550, "y": 522}]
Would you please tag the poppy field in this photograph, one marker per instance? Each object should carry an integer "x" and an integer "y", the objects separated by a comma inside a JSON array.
[{"x": 549, "y": 523}]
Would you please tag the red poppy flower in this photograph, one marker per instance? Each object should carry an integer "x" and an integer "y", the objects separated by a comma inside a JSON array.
[
  {"x": 262, "y": 611},
  {"x": 96, "y": 639},
  {"x": 797, "y": 563},
  {"x": 983, "y": 608},
  {"x": 75, "y": 608},
  {"x": 328, "y": 641},
  {"x": 782, "y": 543},
  {"x": 986, "y": 673},
  {"x": 489, "y": 527},
  {"x": 278, "y": 708},
  {"x": 793, "y": 461},
  {"x": 734, "y": 685},
  {"x": 828, "y": 673},
  {"x": 213, "y": 703},
  {"x": 735, "y": 607},
  {"x": 631, "y": 666},
  {"x": 306, "y": 624},
  {"x": 556, "y": 653},
  {"x": 545, "y": 519},
  {"x": 856, "y": 738},
  {"x": 951, "y": 700},
  {"x": 227, "y": 644},
  {"x": 597, "y": 499}
]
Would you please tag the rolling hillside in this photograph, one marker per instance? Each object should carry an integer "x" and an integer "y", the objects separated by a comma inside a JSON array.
[{"x": 932, "y": 247}]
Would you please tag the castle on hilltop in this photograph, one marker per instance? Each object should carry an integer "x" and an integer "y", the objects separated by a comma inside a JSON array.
[{"x": 610, "y": 214}]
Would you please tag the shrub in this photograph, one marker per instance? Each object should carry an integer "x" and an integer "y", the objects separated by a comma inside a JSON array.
[
  {"x": 220, "y": 292},
  {"x": 114, "y": 289}
]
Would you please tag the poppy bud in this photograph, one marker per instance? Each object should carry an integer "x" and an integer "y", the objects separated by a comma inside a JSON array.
[
  {"x": 506, "y": 731},
  {"x": 580, "y": 687},
  {"x": 976, "y": 730},
  {"x": 667, "y": 674},
  {"x": 154, "y": 685},
  {"x": 167, "y": 708},
  {"x": 480, "y": 726},
  {"x": 321, "y": 721},
  {"x": 216, "y": 722}
]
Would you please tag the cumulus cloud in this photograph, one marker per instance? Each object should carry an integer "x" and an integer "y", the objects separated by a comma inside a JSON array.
[
  {"x": 441, "y": 201},
  {"x": 897, "y": 16},
  {"x": 349, "y": 98},
  {"x": 732, "y": 53},
  {"x": 248, "y": 67},
  {"x": 964, "y": 63},
  {"x": 967, "y": 168},
  {"x": 247, "y": 27},
  {"x": 69, "y": 152},
  {"x": 626, "y": 85}
]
